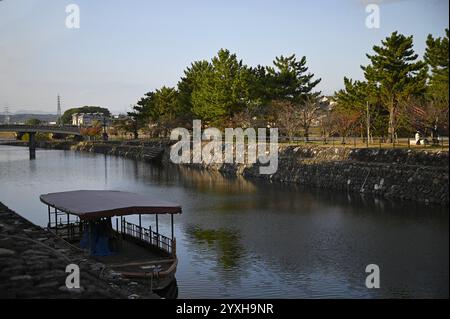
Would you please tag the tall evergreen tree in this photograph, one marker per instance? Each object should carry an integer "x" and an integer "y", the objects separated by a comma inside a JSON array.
[
  {"x": 152, "y": 107},
  {"x": 190, "y": 82},
  {"x": 259, "y": 107},
  {"x": 290, "y": 81},
  {"x": 223, "y": 91},
  {"x": 134, "y": 122},
  {"x": 142, "y": 113},
  {"x": 260, "y": 85},
  {"x": 166, "y": 103},
  {"x": 144, "y": 108},
  {"x": 397, "y": 75},
  {"x": 356, "y": 97},
  {"x": 437, "y": 58}
]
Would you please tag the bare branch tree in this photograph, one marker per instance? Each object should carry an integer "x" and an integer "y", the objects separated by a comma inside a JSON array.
[
  {"x": 287, "y": 118},
  {"x": 429, "y": 117},
  {"x": 308, "y": 113},
  {"x": 343, "y": 122}
]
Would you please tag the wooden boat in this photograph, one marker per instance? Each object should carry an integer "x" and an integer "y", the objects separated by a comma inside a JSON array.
[{"x": 85, "y": 218}]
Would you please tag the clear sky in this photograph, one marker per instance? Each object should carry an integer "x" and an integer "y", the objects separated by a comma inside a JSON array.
[{"x": 124, "y": 49}]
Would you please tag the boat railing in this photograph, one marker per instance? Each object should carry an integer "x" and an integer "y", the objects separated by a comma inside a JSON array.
[
  {"x": 150, "y": 237},
  {"x": 72, "y": 230}
]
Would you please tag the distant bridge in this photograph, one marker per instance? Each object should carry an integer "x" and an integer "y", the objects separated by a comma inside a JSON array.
[{"x": 33, "y": 129}]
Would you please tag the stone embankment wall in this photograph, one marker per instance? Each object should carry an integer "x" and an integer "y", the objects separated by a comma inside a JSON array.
[
  {"x": 145, "y": 151},
  {"x": 397, "y": 174},
  {"x": 389, "y": 173}
]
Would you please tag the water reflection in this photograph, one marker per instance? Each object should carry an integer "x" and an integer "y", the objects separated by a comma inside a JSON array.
[
  {"x": 106, "y": 168},
  {"x": 213, "y": 182},
  {"x": 224, "y": 243},
  {"x": 242, "y": 238}
]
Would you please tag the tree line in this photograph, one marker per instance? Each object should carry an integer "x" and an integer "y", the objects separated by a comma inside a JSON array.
[
  {"x": 66, "y": 118},
  {"x": 224, "y": 92},
  {"x": 400, "y": 94}
]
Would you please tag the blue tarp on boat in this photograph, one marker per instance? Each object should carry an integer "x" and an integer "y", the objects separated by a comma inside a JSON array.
[{"x": 100, "y": 239}]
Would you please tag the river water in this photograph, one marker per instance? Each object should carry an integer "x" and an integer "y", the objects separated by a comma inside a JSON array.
[{"x": 245, "y": 239}]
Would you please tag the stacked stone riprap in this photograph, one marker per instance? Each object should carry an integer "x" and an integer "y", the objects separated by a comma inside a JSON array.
[
  {"x": 33, "y": 265},
  {"x": 407, "y": 174},
  {"x": 145, "y": 151}
]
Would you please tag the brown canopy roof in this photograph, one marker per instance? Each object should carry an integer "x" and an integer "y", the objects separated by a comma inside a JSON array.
[{"x": 90, "y": 204}]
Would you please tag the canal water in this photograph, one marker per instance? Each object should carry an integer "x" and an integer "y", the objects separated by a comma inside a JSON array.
[{"x": 245, "y": 239}]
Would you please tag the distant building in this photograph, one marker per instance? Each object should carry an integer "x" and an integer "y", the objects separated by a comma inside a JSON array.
[
  {"x": 327, "y": 103},
  {"x": 87, "y": 119},
  {"x": 120, "y": 117}
]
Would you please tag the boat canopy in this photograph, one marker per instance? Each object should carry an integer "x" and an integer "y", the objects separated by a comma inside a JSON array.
[{"x": 92, "y": 204}]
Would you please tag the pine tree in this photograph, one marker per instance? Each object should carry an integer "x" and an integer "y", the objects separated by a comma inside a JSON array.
[
  {"x": 167, "y": 108},
  {"x": 396, "y": 74},
  {"x": 190, "y": 82},
  {"x": 260, "y": 83},
  {"x": 223, "y": 91},
  {"x": 144, "y": 108},
  {"x": 356, "y": 97},
  {"x": 437, "y": 58},
  {"x": 290, "y": 81},
  {"x": 166, "y": 103},
  {"x": 134, "y": 122}
]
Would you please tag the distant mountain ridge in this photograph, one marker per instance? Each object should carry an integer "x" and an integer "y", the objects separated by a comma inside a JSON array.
[
  {"x": 23, "y": 117},
  {"x": 21, "y": 112}
]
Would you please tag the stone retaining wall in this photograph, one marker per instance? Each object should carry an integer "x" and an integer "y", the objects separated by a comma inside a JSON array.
[{"x": 389, "y": 173}]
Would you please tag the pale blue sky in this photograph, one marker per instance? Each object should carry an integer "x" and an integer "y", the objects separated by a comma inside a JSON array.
[{"x": 126, "y": 48}]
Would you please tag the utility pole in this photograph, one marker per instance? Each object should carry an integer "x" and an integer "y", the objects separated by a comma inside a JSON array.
[
  {"x": 58, "y": 111},
  {"x": 368, "y": 124}
]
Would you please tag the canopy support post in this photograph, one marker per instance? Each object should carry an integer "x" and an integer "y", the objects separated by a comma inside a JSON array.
[
  {"x": 157, "y": 231},
  {"x": 140, "y": 226},
  {"x": 171, "y": 222},
  {"x": 49, "y": 217},
  {"x": 56, "y": 221}
]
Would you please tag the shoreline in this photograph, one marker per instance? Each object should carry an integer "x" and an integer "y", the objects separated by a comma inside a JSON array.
[
  {"x": 395, "y": 174},
  {"x": 33, "y": 265}
]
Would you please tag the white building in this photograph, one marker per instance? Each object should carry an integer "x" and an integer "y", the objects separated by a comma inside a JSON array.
[
  {"x": 86, "y": 119},
  {"x": 327, "y": 103}
]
